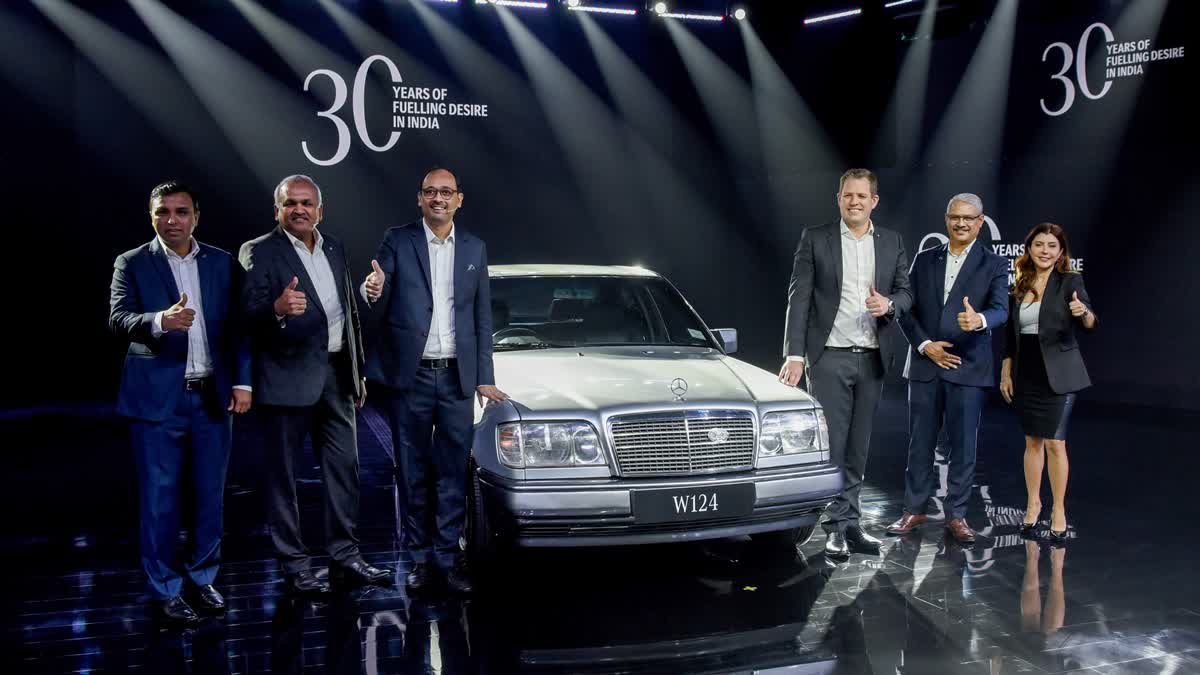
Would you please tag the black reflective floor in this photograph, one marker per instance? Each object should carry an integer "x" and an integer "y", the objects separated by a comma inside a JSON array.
[{"x": 1121, "y": 597}]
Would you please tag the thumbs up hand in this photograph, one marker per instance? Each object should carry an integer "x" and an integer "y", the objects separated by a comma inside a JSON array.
[
  {"x": 877, "y": 303},
  {"x": 968, "y": 319},
  {"x": 178, "y": 316},
  {"x": 291, "y": 302},
  {"x": 1078, "y": 309},
  {"x": 375, "y": 281}
]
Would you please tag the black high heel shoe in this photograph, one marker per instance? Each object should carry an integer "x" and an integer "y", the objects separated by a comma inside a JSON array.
[
  {"x": 1058, "y": 539},
  {"x": 1028, "y": 529}
]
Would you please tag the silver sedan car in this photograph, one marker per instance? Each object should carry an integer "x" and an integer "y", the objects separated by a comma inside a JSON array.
[{"x": 630, "y": 422}]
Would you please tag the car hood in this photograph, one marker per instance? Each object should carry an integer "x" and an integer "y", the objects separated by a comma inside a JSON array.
[{"x": 597, "y": 378}]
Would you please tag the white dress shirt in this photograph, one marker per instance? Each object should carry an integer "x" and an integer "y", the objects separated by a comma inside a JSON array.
[
  {"x": 954, "y": 265},
  {"x": 317, "y": 265},
  {"x": 441, "y": 342},
  {"x": 853, "y": 326},
  {"x": 187, "y": 279},
  {"x": 186, "y": 273}
]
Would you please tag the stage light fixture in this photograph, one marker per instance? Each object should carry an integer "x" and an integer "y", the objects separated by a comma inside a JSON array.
[
  {"x": 739, "y": 13},
  {"x": 523, "y": 4},
  {"x": 832, "y": 17},
  {"x": 897, "y": 3},
  {"x": 578, "y": 6},
  {"x": 693, "y": 17},
  {"x": 660, "y": 8}
]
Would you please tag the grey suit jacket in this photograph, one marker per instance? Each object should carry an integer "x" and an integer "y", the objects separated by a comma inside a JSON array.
[{"x": 816, "y": 289}]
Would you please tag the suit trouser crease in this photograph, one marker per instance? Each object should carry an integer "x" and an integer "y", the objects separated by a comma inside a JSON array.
[
  {"x": 961, "y": 407},
  {"x": 332, "y": 426},
  {"x": 848, "y": 386},
  {"x": 193, "y": 442},
  {"x": 436, "y": 423}
]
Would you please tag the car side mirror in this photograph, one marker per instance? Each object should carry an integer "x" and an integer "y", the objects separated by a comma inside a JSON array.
[{"x": 728, "y": 339}]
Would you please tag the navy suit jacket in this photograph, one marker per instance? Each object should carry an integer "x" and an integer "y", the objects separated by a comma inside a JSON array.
[
  {"x": 290, "y": 357},
  {"x": 142, "y": 286},
  {"x": 984, "y": 280},
  {"x": 405, "y": 310}
]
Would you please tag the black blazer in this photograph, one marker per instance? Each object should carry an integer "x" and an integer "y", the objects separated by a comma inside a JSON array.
[
  {"x": 1056, "y": 333},
  {"x": 290, "y": 356},
  {"x": 815, "y": 290}
]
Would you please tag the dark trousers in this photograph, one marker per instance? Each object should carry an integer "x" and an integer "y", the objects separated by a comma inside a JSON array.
[
  {"x": 961, "y": 407},
  {"x": 432, "y": 422},
  {"x": 192, "y": 442},
  {"x": 330, "y": 422},
  {"x": 848, "y": 386}
]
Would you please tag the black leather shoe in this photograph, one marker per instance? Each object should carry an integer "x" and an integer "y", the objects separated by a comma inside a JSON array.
[
  {"x": 836, "y": 546},
  {"x": 208, "y": 600},
  {"x": 861, "y": 542},
  {"x": 359, "y": 573},
  {"x": 420, "y": 578},
  {"x": 1029, "y": 531},
  {"x": 458, "y": 580},
  {"x": 305, "y": 583},
  {"x": 176, "y": 610}
]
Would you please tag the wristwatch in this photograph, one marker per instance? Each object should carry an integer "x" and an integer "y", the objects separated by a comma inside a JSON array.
[{"x": 891, "y": 308}]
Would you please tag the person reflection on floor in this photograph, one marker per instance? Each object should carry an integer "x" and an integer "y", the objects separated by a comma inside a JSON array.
[
  {"x": 435, "y": 640},
  {"x": 167, "y": 652},
  {"x": 343, "y": 643}
]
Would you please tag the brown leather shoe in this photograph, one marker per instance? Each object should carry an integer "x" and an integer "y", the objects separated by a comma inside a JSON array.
[
  {"x": 907, "y": 523},
  {"x": 960, "y": 530}
]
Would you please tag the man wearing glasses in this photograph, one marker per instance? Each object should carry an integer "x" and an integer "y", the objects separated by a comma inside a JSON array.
[
  {"x": 429, "y": 286},
  {"x": 950, "y": 362}
]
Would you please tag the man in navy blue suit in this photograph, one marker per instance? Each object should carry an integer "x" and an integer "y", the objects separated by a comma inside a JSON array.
[
  {"x": 187, "y": 368},
  {"x": 429, "y": 286},
  {"x": 950, "y": 361}
]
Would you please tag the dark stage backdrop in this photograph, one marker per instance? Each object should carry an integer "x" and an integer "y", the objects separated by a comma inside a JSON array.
[{"x": 697, "y": 150}]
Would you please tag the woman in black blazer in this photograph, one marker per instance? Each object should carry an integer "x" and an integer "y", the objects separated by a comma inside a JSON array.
[{"x": 1042, "y": 367}]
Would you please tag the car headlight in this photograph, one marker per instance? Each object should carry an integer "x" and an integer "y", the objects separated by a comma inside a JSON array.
[
  {"x": 793, "y": 432},
  {"x": 533, "y": 445}
]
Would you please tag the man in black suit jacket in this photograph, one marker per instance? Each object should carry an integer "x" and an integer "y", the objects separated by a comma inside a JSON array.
[
  {"x": 429, "y": 286},
  {"x": 849, "y": 282},
  {"x": 308, "y": 364}
]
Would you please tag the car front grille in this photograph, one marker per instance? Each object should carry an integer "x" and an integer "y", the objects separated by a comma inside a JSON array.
[{"x": 684, "y": 443}]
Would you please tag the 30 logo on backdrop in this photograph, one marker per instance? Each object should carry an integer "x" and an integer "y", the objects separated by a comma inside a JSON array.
[
  {"x": 412, "y": 107},
  {"x": 1011, "y": 251},
  {"x": 1121, "y": 59}
]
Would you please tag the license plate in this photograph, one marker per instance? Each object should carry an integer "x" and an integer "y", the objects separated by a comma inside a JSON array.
[{"x": 674, "y": 504}]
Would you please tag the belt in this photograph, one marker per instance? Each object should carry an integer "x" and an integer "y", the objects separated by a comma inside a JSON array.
[
  {"x": 197, "y": 383},
  {"x": 853, "y": 350},
  {"x": 438, "y": 364}
]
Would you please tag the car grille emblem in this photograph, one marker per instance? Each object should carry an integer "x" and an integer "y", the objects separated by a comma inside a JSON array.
[
  {"x": 718, "y": 435},
  {"x": 679, "y": 387}
]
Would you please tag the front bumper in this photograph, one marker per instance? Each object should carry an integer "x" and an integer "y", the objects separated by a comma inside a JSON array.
[{"x": 599, "y": 512}]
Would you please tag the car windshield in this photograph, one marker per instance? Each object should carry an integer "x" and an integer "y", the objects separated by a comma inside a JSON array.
[{"x": 546, "y": 312}]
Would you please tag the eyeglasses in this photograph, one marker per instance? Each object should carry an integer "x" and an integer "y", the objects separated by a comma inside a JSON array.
[
  {"x": 955, "y": 219},
  {"x": 444, "y": 193}
]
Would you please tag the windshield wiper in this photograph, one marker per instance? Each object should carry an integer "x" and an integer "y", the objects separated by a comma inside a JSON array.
[{"x": 511, "y": 347}]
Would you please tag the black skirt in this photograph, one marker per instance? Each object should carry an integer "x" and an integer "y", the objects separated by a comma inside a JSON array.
[{"x": 1044, "y": 414}]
